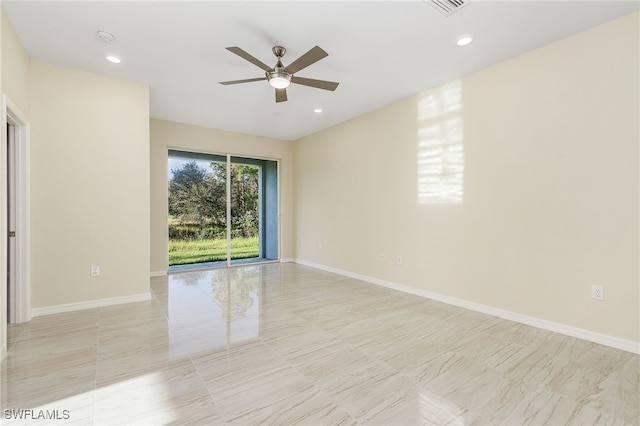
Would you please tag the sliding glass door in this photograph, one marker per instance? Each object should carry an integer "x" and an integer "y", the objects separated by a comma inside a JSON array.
[{"x": 223, "y": 210}]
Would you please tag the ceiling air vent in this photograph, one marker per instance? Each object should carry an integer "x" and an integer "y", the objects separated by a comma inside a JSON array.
[{"x": 448, "y": 7}]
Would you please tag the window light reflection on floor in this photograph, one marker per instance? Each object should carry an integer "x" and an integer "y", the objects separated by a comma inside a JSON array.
[
  {"x": 217, "y": 300},
  {"x": 435, "y": 409}
]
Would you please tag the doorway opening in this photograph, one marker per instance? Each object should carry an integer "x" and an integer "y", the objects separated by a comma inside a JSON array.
[
  {"x": 15, "y": 223},
  {"x": 11, "y": 222},
  {"x": 223, "y": 210}
]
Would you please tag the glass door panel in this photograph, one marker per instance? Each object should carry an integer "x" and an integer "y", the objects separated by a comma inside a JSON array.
[
  {"x": 245, "y": 210},
  {"x": 254, "y": 210},
  {"x": 197, "y": 210}
]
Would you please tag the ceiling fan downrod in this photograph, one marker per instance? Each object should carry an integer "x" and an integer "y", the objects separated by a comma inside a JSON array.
[{"x": 278, "y": 77}]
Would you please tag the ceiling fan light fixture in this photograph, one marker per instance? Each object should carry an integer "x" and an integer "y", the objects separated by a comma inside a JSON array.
[{"x": 279, "y": 79}]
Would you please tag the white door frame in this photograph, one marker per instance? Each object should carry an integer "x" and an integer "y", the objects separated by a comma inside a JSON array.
[{"x": 21, "y": 300}]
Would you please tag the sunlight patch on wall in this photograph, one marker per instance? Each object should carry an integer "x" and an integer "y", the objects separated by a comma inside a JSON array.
[{"x": 441, "y": 145}]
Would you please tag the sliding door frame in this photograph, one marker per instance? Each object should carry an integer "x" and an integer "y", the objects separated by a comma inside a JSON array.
[{"x": 229, "y": 156}]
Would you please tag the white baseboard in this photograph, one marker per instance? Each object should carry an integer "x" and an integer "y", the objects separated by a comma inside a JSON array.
[
  {"x": 603, "y": 339},
  {"x": 98, "y": 303},
  {"x": 287, "y": 260},
  {"x": 154, "y": 274}
]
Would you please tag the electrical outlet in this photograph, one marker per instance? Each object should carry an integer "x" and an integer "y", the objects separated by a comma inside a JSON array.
[
  {"x": 399, "y": 260},
  {"x": 382, "y": 258},
  {"x": 320, "y": 246},
  {"x": 597, "y": 292},
  {"x": 95, "y": 271}
]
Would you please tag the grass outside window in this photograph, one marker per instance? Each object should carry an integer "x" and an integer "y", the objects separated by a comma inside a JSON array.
[{"x": 182, "y": 252}]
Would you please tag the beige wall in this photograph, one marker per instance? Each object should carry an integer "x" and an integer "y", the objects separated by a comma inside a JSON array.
[
  {"x": 89, "y": 186},
  {"x": 166, "y": 134},
  {"x": 515, "y": 187},
  {"x": 15, "y": 67}
]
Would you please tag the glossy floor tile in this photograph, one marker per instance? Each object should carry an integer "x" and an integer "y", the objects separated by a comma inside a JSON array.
[{"x": 282, "y": 344}]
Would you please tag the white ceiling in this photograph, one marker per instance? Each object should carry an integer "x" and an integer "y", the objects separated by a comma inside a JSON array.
[{"x": 380, "y": 51}]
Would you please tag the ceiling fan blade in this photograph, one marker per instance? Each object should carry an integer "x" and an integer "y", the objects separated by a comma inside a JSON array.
[
  {"x": 249, "y": 57},
  {"x": 248, "y": 80},
  {"x": 312, "y": 56},
  {"x": 319, "y": 84},
  {"x": 281, "y": 95}
]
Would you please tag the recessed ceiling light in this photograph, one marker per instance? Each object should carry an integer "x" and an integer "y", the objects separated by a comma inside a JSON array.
[
  {"x": 317, "y": 110},
  {"x": 113, "y": 59},
  {"x": 464, "y": 40}
]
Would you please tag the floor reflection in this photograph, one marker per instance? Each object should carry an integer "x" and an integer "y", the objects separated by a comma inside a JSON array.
[{"x": 212, "y": 308}]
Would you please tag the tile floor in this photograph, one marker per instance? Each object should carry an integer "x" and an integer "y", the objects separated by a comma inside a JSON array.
[{"x": 288, "y": 344}]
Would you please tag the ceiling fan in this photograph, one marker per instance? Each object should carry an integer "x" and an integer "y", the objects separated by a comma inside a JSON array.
[{"x": 280, "y": 77}]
